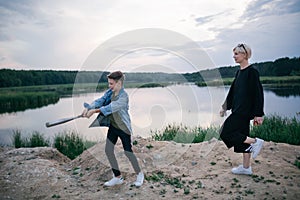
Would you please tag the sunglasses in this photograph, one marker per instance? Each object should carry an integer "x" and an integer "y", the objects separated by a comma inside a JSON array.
[{"x": 242, "y": 45}]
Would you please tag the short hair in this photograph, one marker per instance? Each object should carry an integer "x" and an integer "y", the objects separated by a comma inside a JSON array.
[
  {"x": 116, "y": 75},
  {"x": 243, "y": 48}
]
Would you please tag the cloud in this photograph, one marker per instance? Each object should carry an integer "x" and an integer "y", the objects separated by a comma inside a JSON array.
[
  {"x": 273, "y": 36},
  {"x": 263, "y": 8},
  {"x": 61, "y": 34},
  {"x": 210, "y": 18}
]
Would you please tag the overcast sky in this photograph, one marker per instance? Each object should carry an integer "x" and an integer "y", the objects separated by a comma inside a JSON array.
[{"x": 61, "y": 35}]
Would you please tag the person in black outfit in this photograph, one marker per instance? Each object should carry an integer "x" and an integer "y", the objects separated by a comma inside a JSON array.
[{"x": 245, "y": 100}]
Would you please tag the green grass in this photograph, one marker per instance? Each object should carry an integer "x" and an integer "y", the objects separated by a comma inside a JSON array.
[
  {"x": 278, "y": 129},
  {"x": 272, "y": 80},
  {"x": 274, "y": 128},
  {"x": 19, "y": 101},
  {"x": 297, "y": 162},
  {"x": 151, "y": 85},
  {"x": 35, "y": 140},
  {"x": 184, "y": 134},
  {"x": 68, "y": 143},
  {"x": 61, "y": 89},
  {"x": 178, "y": 184},
  {"x": 280, "y": 79}
]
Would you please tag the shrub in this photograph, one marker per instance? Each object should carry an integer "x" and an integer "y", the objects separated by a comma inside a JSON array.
[
  {"x": 38, "y": 140},
  {"x": 35, "y": 140},
  {"x": 274, "y": 128},
  {"x": 183, "y": 134},
  {"x": 17, "y": 140},
  {"x": 278, "y": 129},
  {"x": 70, "y": 144}
]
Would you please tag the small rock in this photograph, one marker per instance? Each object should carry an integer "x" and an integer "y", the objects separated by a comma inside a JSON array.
[
  {"x": 194, "y": 163},
  {"x": 157, "y": 156}
]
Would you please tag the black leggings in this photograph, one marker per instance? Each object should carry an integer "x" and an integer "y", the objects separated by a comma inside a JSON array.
[
  {"x": 112, "y": 138},
  {"x": 235, "y": 131}
]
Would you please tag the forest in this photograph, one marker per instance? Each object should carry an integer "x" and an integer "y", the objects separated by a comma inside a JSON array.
[{"x": 13, "y": 78}]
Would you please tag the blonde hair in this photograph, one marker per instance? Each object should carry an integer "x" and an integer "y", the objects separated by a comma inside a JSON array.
[{"x": 243, "y": 48}]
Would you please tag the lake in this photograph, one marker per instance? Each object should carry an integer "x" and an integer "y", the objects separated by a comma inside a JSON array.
[{"x": 151, "y": 109}]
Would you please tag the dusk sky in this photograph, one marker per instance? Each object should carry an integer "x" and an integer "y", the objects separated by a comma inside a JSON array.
[{"x": 60, "y": 35}]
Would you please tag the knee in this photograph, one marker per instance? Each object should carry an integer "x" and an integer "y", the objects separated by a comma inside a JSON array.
[
  {"x": 128, "y": 154},
  {"x": 109, "y": 150}
]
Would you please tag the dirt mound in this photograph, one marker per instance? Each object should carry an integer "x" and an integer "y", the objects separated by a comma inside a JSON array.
[{"x": 173, "y": 171}]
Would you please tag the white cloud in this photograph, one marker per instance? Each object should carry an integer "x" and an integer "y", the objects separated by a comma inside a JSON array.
[
  {"x": 271, "y": 35},
  {"x": 62, "y": 34}
]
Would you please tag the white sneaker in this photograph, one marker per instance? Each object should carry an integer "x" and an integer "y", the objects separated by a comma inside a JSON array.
[
  {"x": 256, "y": 147},
  {"x": 139, "y": 180},
  {"x": 114, "y": 181},
  {"x": 241, "y": 170}
]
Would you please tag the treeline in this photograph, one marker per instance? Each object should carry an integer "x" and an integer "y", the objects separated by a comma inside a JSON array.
[
  {"x": 10, "y": 78},
  {"x": 280, "y": 67}
]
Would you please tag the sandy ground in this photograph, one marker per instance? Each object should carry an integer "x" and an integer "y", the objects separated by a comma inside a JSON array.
[{"x": 173, "y": 171}]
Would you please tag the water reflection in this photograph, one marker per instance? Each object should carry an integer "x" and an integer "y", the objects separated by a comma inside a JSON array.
[
  {"x": 284, "y": 91},
  {"x": 22, "y": 101},
  {"x": 150, "y": 109}
]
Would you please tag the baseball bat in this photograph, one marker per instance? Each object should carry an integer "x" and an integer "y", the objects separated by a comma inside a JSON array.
[{"x": 61, "y": 121}]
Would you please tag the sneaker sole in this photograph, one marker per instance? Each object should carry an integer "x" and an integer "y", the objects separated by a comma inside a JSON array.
[
  {"x": 246, "y": 173},
  {"x": 242, "y": 173},
  {"x": 258, "y": 149},
  {"x": 112, "y": 185}
]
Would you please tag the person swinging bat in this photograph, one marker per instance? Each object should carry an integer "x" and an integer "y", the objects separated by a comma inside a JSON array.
[{"x": 113, "y": 112}]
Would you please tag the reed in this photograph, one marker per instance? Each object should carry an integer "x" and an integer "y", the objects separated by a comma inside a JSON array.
[
  {"x": 184, "y": 134},
  {"x": 69, "y": 143},
  {"x": 275, "y": 128},
  {"x": 278, "y": 129},
  {"x": 35, "y": 140}
]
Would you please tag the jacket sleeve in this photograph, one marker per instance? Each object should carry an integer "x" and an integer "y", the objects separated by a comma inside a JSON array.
[
  {"x": 257, "y": 94},
  {"x": 99, "y": 102},
  {"x": 115, "y": 106}
]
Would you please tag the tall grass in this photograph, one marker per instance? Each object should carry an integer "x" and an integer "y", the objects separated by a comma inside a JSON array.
[
  {"x": 17, "y": 140},
  {"x": 12, "y": 101},
  {"x": 274, "y": 80},
  {"x": 274, "y": 128},
  {"x": 68, "y": 143},
  {"x": 278, "y": 129},
  {"x": 35, "y": 140},
  {"x": 184, "y": 134}
]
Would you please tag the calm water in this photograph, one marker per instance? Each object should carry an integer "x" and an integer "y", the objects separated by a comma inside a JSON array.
[{"x": 150, "y": 109}]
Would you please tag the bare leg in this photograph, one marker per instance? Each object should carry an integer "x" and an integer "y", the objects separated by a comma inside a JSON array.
[
  {"x": 246, "y": 160},
  {"x": 250, "y": 140}
]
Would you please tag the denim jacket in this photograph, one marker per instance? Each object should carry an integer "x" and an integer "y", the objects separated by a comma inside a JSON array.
[{"x": 108, "y": 107}]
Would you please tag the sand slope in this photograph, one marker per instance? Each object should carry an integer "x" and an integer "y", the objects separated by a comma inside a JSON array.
[{"x": 173, "y": 171}]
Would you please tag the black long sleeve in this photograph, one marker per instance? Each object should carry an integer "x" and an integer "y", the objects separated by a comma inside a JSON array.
[
  {"x": 256, "y": 94},
  {"x": 245, "y": 95}
]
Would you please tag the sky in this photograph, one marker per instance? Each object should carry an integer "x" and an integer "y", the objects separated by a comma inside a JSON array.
[{"x": 151, "y": 35}]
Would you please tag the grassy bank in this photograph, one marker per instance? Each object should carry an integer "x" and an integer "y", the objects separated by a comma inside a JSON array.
[
  {"x": 66, "y": 89},
  {"x": 19, "y": 101},
  {"x": 274, "y": 128},
  {"x": 271, "y": 80},
  {"x": 71, "y": 144},
  {"x": 15, "y": 99}
]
